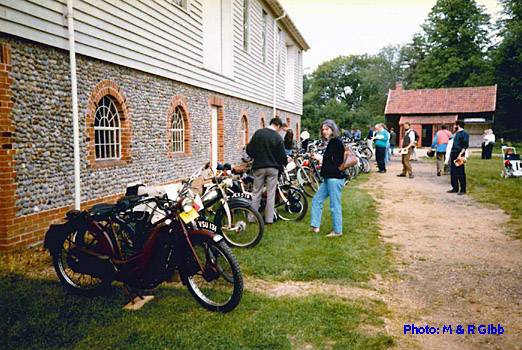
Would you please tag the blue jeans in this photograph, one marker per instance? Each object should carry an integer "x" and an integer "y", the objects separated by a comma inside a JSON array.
[{"x": 329, "y": 188}]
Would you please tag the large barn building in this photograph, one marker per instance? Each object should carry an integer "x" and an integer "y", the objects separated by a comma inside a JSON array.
[{"x": 163, "y": 86}]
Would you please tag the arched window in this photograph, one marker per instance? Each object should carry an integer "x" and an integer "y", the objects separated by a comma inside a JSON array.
[
  {"x": 107, "y": 131},
  {"x": 243, "y": 131},
  {"x": 177, "y": 130}
]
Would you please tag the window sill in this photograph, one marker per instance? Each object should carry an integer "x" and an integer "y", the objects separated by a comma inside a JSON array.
[
  {"x": 108, "y": 163},
  {"x": 178, "y": 155}
]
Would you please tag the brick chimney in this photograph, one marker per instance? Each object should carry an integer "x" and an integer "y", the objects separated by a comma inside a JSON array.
[{"x": 398, "y": 85}]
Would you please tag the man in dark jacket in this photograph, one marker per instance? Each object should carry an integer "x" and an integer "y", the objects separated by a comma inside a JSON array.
[
  {"x": 268, "y": 151},
  {"x": 460, "y": 145}
]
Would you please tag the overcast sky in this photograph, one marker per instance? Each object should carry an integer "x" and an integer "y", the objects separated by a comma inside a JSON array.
[{"x": 344, "y": 27}]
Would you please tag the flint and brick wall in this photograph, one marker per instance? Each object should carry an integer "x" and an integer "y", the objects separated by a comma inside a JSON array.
[{"x": 36, "y": 153}]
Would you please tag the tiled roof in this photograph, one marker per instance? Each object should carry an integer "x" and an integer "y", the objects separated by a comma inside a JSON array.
[{"x": 441, "y": 101}]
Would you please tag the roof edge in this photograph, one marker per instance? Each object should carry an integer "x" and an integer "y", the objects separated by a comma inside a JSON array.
[{"x": 278, "y": 10}]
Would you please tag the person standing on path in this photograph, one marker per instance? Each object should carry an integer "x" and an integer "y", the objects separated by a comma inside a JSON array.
[
  {"x": 381, "y": 139},
  {"x": 393, "y": 140},
  {"x": 369, "y": 137},
  {"x": 333, "y": 181},
  {"x": 460, "y": 145},
  {"x": 408, "y": 143},
  {"x": 268, "y": 151},
  {"x": 439, "y": 145}
]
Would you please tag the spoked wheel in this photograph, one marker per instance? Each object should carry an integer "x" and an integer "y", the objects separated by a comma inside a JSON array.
[
  {"x": 245, "y": 229},
  {"x": 367, "y": 151},
  {"x": 75, "y": 267},
  {"x": 219, "y": 286},
  {"x": 308, "y": 182},
  {"x": 365, "y": 165},
  {"x": 294, "y": 206}
]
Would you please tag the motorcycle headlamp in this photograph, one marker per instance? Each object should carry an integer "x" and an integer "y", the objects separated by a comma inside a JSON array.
[{"x": 187, "y": 204}]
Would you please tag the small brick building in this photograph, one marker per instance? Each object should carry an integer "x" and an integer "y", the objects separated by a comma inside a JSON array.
[{"x": 428, "y": 109}]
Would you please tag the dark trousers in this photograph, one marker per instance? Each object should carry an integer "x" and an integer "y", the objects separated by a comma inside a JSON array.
[
  {"x": 458, "y": 175},
  {"x": 488, "y": 150},
  {"x": 380, "y": 153}
]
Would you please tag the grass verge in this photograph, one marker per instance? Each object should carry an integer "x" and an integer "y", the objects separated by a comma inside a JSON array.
[
  {"x": 486, "y": 185},
  {"x": 289, "y": 251},
  {"x": 40, "y": 315}
]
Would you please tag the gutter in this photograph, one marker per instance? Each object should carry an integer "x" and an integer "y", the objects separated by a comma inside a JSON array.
[
  {"x": 276, "y": 49},
  {"x": 74, "y": 97}
]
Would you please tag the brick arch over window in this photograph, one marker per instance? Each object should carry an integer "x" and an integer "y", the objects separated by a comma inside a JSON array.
[
  {"x": 262, "y": 122},
  {"x": 244, "y": 128},
  {"x": 181, "y": 102},
  {"x": 108, "y": 88}
]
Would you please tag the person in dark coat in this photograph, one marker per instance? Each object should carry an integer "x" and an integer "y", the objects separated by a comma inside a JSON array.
[
  {"x": 333, "y": 180},
  {"x": 460, "y": 145},
  {"x": 393, "y": 140},
  {"x": 268, "y": 151}
]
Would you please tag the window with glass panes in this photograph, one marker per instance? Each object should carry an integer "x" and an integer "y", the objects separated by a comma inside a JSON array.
[
  {"x": 246, "y": 20},
  {"x": 243, "y": 131},
  {"x": 177, "y": 130},
  {"x": 264, "y": 34},
  {"x": 107, "y": 131}
]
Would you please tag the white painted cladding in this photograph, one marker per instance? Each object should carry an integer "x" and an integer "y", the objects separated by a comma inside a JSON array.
[{"x": 159, "y": 37}]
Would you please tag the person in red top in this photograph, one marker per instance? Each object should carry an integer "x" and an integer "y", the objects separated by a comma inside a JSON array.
[{"x": 440, "y": 144}]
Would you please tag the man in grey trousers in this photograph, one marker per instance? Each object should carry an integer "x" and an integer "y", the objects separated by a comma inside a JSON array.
[{"x": 268, "y": 151}]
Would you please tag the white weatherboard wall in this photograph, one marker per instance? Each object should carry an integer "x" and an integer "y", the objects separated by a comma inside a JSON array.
[{"x": 159, "y": 37}]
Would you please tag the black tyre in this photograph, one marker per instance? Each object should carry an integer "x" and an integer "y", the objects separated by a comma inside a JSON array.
[
  {"x": 365, "y": 165},
  {"x": 308, "y": 182},
  {"x": 246, "y": 227},
  {"x": 72, "y": 263},
  {"x": 367, "y": 151},
  {"x": 219, "y": 287},
  {"x": 295, "y": 206}
]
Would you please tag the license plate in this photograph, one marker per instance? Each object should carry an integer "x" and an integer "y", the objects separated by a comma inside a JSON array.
[{"x": 190, "y": 216}]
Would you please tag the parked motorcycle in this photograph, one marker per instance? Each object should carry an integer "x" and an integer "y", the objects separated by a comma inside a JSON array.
[{"x": 103, "y": 244}]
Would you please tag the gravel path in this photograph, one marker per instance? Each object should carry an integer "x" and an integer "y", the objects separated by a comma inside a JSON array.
[{"x": 454, "y": 263}]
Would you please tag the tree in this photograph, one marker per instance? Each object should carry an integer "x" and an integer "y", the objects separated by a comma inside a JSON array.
[
  {"x": 351, "y": 90},
  {"x": 507, "y": 60},
  {"x": 451, "y": 50}
]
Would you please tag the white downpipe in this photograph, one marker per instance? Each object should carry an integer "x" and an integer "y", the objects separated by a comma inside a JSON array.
[
  {"x": 276, "y": 50},
  {"x": 74, "y": 96}
]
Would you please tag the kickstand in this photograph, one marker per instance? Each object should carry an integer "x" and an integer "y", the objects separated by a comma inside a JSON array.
[
  {"x": 129, "y": 293},
  {"x": 136, "y": 302}
]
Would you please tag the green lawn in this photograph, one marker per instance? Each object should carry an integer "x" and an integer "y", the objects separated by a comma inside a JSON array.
[
  {"x": 486, "y": 185},
  {"x": 38, "y": 314},
  {"x": 288, "y": 251}
]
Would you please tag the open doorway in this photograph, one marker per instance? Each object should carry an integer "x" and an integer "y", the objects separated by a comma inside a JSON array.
[{"x": 427, "y": 135}]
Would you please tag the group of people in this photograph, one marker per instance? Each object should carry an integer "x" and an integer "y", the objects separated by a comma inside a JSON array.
[
  {"x": 269, "y": 153},
  {"x": 267, "y": 149}
]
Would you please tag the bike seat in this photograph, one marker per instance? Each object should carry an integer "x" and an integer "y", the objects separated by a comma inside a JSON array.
[{"x": 103, "y": 209}]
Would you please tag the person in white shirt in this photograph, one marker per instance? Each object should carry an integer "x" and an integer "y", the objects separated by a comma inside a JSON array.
[{"x": 488, "y": 141}]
